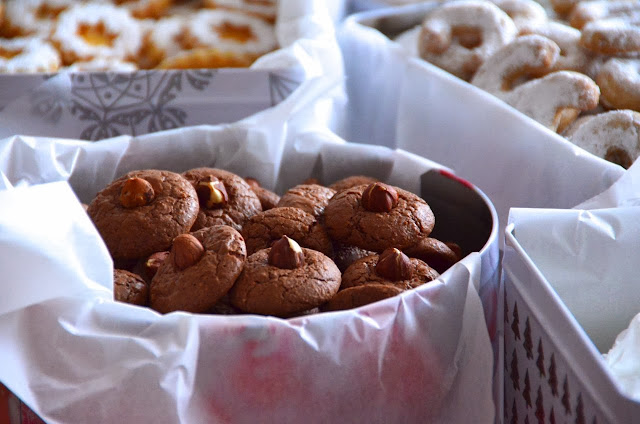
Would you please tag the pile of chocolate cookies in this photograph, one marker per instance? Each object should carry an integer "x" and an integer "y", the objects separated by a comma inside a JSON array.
[{"x": 209, "y": 241}]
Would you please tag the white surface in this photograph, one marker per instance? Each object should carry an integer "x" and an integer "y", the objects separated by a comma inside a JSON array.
[
  {"x": 589, "y": 255},
  {"x": 74, "y": 355}
]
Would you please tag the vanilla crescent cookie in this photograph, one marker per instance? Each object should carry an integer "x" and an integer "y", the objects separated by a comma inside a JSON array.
[
  {"x": 265, "y": 9},
  {"x": 591, "y": 11},
  {"x": 554, "y": 100},
  {"x": 459, "y": 36},
  {"x": 31, "y": 17},
  {"x": 28, "y": 55},
  {"x": 619, "y": 81},
  {"x": 572, "y": 57},
  {"x": 615, "y": 36},
  {"x": 563, "y": 7},
  {"x": 524, "y": 13},
  {"x": 614, "y": 135},
  {"x": 88, "y": 31}
]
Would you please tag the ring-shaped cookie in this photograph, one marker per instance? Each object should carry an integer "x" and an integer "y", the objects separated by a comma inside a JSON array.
[
  {"x": 242, "y": 202},
  {"x": 459, "y": 36},
  {"x": 32, "y": 17},
  {"x": 88, "y": 31},
  {"x": 143, "y": 9},
  {"x": 164, "y": 39},
  {"x": 348, "y": 222},
  {"x": 28, "y": 55},
  {"x": 231, "y": 32},
  {"x": 137, "y": 231},
  {"x": 265, "y": 9},
  {"x": 206, "y": 278}
]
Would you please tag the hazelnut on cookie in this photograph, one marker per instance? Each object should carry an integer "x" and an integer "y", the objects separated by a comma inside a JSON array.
[
  {"x": 377, "y": 216},
  {"x": 225, "y": 198},
  {"x": 284, "y": 280},
  {"x": 201, "y": 268},
  {"x": 142, "y": 212}
]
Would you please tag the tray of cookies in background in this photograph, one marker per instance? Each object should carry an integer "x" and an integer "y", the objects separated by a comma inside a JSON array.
[
  {"x": 98, "y": 69},
  {"x": 53, "y": 35},
  {"x": 570, "y": 65}
]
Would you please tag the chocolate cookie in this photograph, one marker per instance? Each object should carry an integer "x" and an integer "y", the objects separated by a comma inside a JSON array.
[
  {"x": 199, "y": 271},
  {"x": 285, "y": 280},
  {"x": 435, "y": 253},
  {"x": 391, "y": 267},
  {"x": 356, "y": 296},
  {"x": 344, "y": 255},
  {"x": 311, "y": 198},
  {"x": 268, "y": 199},
  {"x": 352, "y": 181},
  {"x": 130, "y": 288},
  {"x": 378, "y": 216},
  {"x": 262, "y": 229},
  {"x": 141, "y": 212},
  {"x": 225, "y": 198}
]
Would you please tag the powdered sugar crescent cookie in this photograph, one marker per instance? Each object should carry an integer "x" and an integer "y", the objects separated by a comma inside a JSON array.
[
  {"x": 556, "y": 99},
  {"x": 614, "y": 136},
  {"x": 524, "y": 13},
  {"x": 526, "y": 57},
  {"x": 459, "y": 36},
  {"x": 616, "y": 37},
  {"x": 591, "y": 11},
  {"x": 30, "y": 17},
  {"x": 619, "y": 81},
  {"x": 27, "y": 55},
  {"x": 231, "y": 32},
  {"x": 88, "y": 31},
  {"x": 572, "y": 57},
  {"x": 563, "y": 7},
  {"x": 265, "y": 9}
]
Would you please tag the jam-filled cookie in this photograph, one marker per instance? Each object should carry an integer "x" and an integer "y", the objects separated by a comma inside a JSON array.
[
  {"x": 225, "y": 198},
  {"x": 265, "y": 9},
  {"x": 284, "y": 280},
  {"x": 201, "y": 268},
  {"x": 142, "y": 212},
  {"x": 391, "y": 267},
  {"x": 28, "y": 55},
  {"x": 378, "y": 216},
  {"x": 32, "y": 17},
  {"x": 92, "y": 30},
  {"x": 130, "y": 288}
]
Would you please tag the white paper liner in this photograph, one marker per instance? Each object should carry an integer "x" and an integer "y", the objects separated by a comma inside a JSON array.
[
  {"x": 72, "y": 354},
  {"x": 589, "y": 255},
  {"x": 401, "y": 101}
]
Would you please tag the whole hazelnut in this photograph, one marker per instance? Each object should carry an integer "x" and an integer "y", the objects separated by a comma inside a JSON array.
[
  {"x": 185, "y": 251},
  {"x": 394, "y": 265},
  {"x": 136, "y": 192},
  {"x": 379, "y": 197},
  {"x": 153, "y": 262},
  {"x": 286, "y": 253},
  {"x": 211, "y": 193}
]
